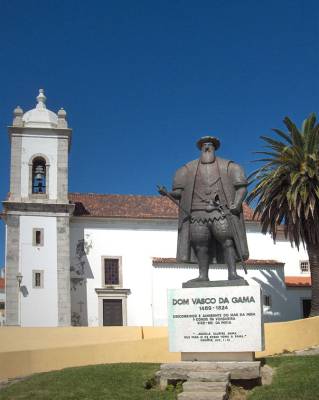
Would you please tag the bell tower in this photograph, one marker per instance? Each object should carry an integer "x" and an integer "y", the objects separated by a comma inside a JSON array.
[{"x": 37, "y": 214}]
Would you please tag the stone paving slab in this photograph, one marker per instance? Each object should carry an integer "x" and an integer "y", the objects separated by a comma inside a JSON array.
[
  {"x": 208, "y": 376},
  {"x": 237, "y": 369},
  {"x": 313, "y": 351},
  {"x": 191, "y": 386},
  {"x": 202, "y": 396}
]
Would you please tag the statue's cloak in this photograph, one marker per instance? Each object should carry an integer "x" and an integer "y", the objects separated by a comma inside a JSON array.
[{"x": 231, "y": 177}]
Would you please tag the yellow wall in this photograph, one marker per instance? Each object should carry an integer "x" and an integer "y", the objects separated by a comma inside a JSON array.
[
  {"x": 291, "y": 335},
  {"x": 27, "y": 362},
  {"x": 24, "y": 351},
  {"x": 14, "y": 338}
]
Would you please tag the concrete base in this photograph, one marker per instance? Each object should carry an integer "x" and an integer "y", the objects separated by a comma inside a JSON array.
[
  {"x": 185, "y": 370},
  {"x": 202, "y": 396},
  {"x": 240, "y": 356},
  {"x": 199, "y": 283}
]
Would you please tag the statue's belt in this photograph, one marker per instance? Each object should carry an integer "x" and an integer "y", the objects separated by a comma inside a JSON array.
[
  {"x": 203, "y": 219},
  {"x": 205, "y": 207},
  {"x": 207, "y": 204}
]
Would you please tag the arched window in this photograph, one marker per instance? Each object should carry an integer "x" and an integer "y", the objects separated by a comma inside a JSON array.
[{"x": 38, "y": 175}]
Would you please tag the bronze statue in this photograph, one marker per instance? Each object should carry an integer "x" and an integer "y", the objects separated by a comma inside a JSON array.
[{"x": 210, "y": 192}]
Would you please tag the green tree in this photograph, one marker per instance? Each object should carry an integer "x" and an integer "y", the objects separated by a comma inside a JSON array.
[{"x": 287, "y": 191}]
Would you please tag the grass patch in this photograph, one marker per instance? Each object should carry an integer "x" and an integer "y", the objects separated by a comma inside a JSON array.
[
  {"x": 296, "y": 378},
  {"x": 108, "y": 381}
]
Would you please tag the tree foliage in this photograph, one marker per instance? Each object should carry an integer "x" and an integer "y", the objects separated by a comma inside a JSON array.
[{"x": 287, "y": 183}]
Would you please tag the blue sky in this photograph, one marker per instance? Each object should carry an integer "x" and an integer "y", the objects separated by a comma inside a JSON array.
[{"x": 142, "y": 81}]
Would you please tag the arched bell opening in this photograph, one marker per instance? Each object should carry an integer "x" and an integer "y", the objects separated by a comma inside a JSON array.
[{"x": 39, "y": 176}]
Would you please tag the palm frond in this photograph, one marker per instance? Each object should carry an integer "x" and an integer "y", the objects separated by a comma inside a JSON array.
[
  {"x": 283, "y": 135},
  {"x": 287, "y": 183},
  {"x": 274, "y": 144},
  {"x": 297, "y": 138},
  {"x": 309, "y": 123}
]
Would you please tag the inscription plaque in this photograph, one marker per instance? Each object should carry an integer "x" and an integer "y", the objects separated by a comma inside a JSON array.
[{"x": 215, "y": 319}]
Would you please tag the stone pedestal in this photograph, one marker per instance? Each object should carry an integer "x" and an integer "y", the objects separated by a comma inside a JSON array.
[
  {"x": 206, "y": 380},
  {"x": 217, "y": 356},
  {"x": 217, "y": 329},
  {"x": 216, "y": 323},
  {"x": 237, "y": 370}
]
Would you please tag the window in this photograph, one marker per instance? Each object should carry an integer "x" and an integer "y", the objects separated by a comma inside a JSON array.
[
  {"x": 38, "y": 176},
  {"x": 37, "y": 279},
  {"x": 267, "y": 300},
  {"x": 304, "y": 266},
  {"x": 111, "y": 271},
  {"x": 2, "y": 305},
  {"x": 37, "y": 237}
]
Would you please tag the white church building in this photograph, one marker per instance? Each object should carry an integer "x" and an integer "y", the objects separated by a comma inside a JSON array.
[{"x": 101, "y": 259}]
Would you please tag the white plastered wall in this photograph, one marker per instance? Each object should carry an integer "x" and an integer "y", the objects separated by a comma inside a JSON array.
[
  {"x": 38, "y": 144},
  {"x": 39, "y": 306},
  {"x": 284, "y": 303},
  {"x": 295, "y": 295},
  {"x": 137, "y": 242},
  {"x": 262, "y": 247}
]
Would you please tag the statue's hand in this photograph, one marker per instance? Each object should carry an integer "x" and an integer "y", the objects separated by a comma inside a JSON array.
[
  {"x": 162, "y": 190},
  {"x": 235, "y": 208}
]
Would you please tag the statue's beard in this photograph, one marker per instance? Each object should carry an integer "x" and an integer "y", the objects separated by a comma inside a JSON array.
[{"x": 207, "y": 157}]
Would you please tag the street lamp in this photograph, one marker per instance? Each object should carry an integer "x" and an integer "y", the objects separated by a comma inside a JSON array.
[{"x": 19, "y": 280}]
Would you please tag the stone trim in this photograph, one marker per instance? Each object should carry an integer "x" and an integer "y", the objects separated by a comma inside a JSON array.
[
  {"x": 15, "y": 168},
  {"x": 12, "y": 269},
  {"x": 108, "y": 291},
  {"x": 63, "y": 271},
  {"x": 41, "y": 196},
  {"x": 117, "y": 294},
  {"x": 27, "y": 131},
  {"x": 62, "y": 170},
  {"x": 38, "y": 207}
]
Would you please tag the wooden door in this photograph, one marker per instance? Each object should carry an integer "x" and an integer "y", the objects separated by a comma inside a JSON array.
[
  {"x": 306, "y": 306},
  {"x": 112, "y": 312}
]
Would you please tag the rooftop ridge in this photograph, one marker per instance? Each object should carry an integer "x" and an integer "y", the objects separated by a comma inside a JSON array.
[
  {"x": 250, "y": 262},
  {"x": 130, "y": 206},
  {"x": 111, "y": 194},
  {"x": 298, "y": 281}
]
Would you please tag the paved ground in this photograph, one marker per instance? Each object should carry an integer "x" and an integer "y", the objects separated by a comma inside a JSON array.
[
  {"x": 312, "y": 351},
  {"x": 308, "y": 352},
  {"x": 6, "y": 382}
]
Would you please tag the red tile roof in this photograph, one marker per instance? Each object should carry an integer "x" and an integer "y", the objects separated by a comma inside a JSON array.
[
  {"x": 298, "y": 281},
  {"x": 129, "y": 206},
  {"x": 249, "y": 263},
  {"x": 2, "y": 283}
]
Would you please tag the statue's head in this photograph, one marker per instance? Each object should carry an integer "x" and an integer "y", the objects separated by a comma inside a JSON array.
[
  {"x": 208, "y": 145},
  {"x": 208, "y": 140}
]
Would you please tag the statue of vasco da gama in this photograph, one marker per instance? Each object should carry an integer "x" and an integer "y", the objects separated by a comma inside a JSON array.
[{"x": 210, "y": 192}]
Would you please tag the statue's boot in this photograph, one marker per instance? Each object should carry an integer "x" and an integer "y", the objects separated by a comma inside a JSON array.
[
  {"x": 199, "y": 279},
  {"x": 203, "y": 276},
  {"x": 203, "y": 264},
  {"x": 232, "y": 273},
  {"x": 230, "y": 258}
]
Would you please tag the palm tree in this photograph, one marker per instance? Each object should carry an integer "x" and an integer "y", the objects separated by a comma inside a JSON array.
[{"x": 287, "y": 191}]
